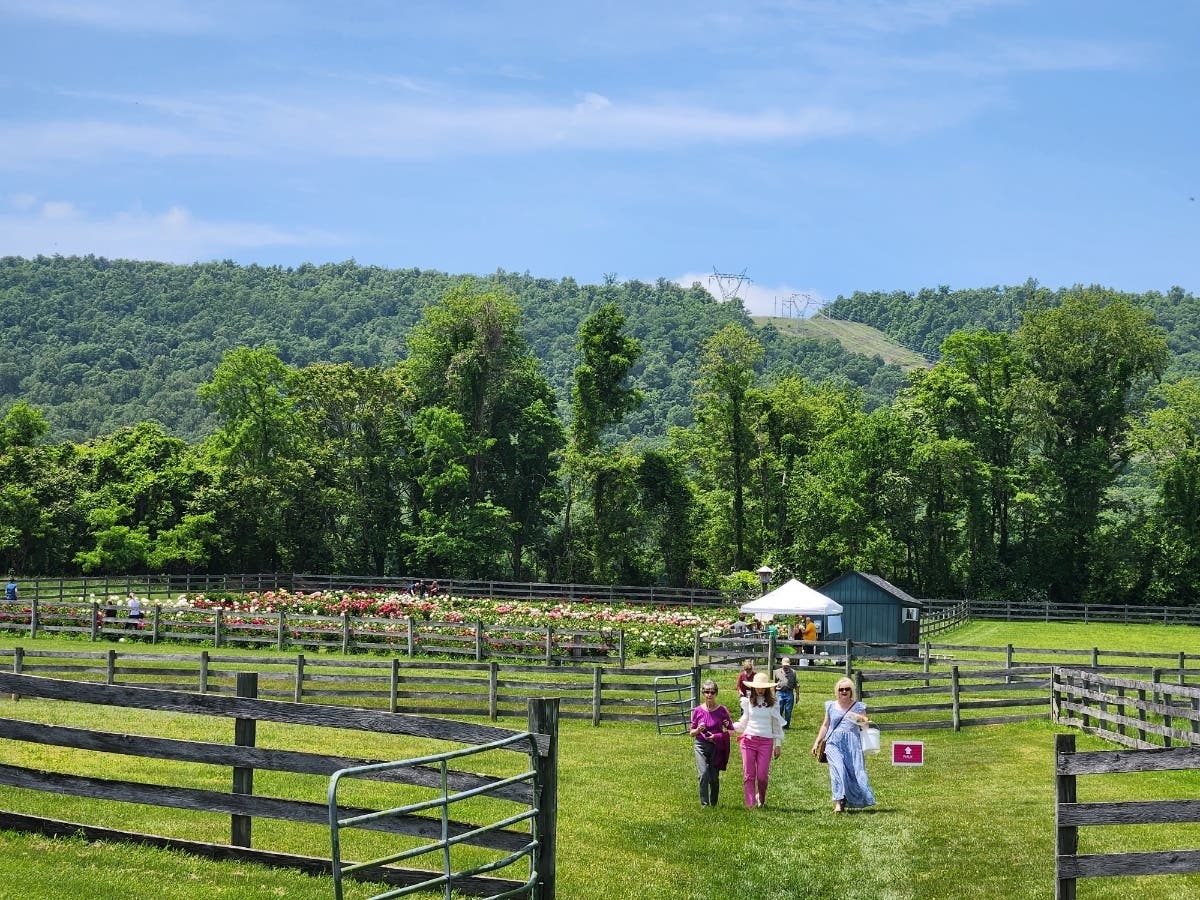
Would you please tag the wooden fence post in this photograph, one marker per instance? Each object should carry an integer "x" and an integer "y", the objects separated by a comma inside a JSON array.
[
  {"x": 217, "y": 627},
  {"x": 18, "y": 665},
  {"x": 543, "y": 719},
  {"x": 621, "y": 647},
  {"x": 394, "y": 686},
  {"x": 1141, "y": 715},
  {"x": 1066, "y": 837},
  {"x": 478, "y": 640},
  {"x": 597, "y": 695},
  {"x": 345, "y": 632},
  {"x": 280, "y": 639},
  {"x": 549, "y": 645},
  {"x": 110, "y": 667},
  {"x": 411, "y": 630},
  {"x": 928, "y": 653},
  {"x": 696, "y": 650},
  {"x": 154, "y": 620},
  {"x": 493, "y": 690},
  {"x": 95, "y": 615},
  {"x": 298, "y": 694},
  {"x": 1055, "y": 696},
  {"x": 771, "y": 651},
  {"x": 1008, "y": 663},
  {"x": 955, "y": 718},
  {"x": 243, "y": 776},
  {"x": 204, "y": 671},
  {"x": 33, "y": 617}
]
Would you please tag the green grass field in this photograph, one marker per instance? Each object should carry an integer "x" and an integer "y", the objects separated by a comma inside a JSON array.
[{"x": 975, "y": 822}]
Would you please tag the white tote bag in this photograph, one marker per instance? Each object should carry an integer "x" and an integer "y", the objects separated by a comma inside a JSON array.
[{"x": 870, "y": 739}]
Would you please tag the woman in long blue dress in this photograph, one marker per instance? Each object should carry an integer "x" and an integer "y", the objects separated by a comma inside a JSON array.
[{"x": 843, "y": 749}]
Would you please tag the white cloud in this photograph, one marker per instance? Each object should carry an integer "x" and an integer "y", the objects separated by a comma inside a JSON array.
[
  {"x": 758, "y": 299},
  {"x": 60, "y": 227}
]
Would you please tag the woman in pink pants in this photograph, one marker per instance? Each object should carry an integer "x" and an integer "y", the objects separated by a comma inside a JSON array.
[{"x": 761, "y": 736}]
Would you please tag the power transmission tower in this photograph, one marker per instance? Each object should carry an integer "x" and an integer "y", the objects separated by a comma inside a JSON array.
[{"x": 729, "y": 285}]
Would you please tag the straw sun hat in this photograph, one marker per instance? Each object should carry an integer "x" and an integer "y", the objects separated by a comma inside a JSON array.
[{"x": 761, "y": 680}]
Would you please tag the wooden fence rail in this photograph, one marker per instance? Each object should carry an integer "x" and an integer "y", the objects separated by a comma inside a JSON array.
[
  {"x": 488, "y": 689},
  {"x": 59, "y": 590},
  {"x": 243, "y": 757},
  {"x": 1138, "y": 713},
  {"x": 1070, "y": 815}
]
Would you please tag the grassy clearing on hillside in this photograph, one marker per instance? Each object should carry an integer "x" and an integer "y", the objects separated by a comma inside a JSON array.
[{"x": 975, "y": 822}]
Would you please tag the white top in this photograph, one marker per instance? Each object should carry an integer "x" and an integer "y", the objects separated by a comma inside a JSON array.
[{"x": 760, "y": 721}]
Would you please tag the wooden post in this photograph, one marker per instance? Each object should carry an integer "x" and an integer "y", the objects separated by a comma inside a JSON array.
[
  {"x": 18, "y": 665},
  {"x": 478, "y": 640},
  {"x": 243, "y": 776},
  {"x": 543, "y": 719},
  {"x": 696, "y": 650},
  {"x": 597, "y": 692},
  {"x": 549, "y": 645},
  {"x": 1055, "y": 696},
  {"x": 1182, "y": 657},
  {"x": 95, "y": 615},
  {"x": 770, "y": 652},
  {"x": 280, "y": 633},
  {"x": 154, "y": 627},
  {"x": 928, "y": 653},
  {"x": 110, "y": 674},
  {"x": 1008, "y": 660},
  {"x": 493, "y": 690},
  {"x": 411, "y": 629},
  {"x": 345, "y": 632},
  {"x": 1066, "y": 837},
  {"x": 1141, "y": 715},
  {"x": 1095, "y": 657},
  {"x": 33, "y": 616},
  {"x": 298, "y": 694},
  {"x": 204, "y": 671},
  {"x": 621, "y": 647},
  {"x": 858, "y": 685},
  {"x": 1121, "y": 711},
  {"x": 217, "y": 627},
  {"x": 955, "y": 716},
  {"x": 394, "y": 686}
]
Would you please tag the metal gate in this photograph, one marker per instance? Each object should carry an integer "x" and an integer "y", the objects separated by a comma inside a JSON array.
[
  {"x": 447, "y": 878},
  {"x": 674, "y": 699}
]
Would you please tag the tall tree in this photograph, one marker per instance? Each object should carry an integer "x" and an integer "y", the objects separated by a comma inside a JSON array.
[
  {"x": 1091, "y": 360},
  {"x": 727, "y": 374}
]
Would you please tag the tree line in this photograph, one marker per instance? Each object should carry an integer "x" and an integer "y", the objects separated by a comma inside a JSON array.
[{"x": 1051, "y": 460}]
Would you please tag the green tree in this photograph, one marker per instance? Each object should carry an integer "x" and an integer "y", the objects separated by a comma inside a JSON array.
[{"x": 1090, "y": 359}]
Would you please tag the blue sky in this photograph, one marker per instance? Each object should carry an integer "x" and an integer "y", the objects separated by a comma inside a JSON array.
[{"x": 820, "y": 146}]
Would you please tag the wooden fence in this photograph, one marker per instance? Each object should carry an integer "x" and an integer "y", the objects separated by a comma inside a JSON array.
[
  {"x": 1045, "y": 611},
  {"x": 345, "y": 633},
  {"x": 535, "y": 794},
  {"x": 1137, "y": 713},
  {"x": 59, "y": 590},
  {"x": 416, "y": 687},
  {"x": 1070, "y": 815}
]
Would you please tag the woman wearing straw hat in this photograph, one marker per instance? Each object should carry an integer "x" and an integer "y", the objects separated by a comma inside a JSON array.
[
  {"x": 843, "y": 748},
  {"x": 761, "y": 735}
]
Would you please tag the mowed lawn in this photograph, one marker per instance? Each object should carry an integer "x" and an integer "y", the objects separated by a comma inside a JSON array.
[{"x": 976, "y": 821}]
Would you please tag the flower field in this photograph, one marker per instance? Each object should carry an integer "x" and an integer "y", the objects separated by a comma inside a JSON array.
[{"x": 649, "y": 631}]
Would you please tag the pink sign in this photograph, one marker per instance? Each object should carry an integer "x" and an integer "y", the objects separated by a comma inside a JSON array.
[{"x": 908, "y": 753}]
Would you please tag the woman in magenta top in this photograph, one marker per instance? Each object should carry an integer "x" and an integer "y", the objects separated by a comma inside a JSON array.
[{"x": 711, "y": 724}]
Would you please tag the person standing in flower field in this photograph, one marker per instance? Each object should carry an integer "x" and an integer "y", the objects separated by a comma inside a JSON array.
[{"x": 10, "y": 590}]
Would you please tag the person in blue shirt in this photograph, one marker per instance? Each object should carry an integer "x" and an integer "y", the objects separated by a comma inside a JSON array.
[{"x": 10, "y": 590}]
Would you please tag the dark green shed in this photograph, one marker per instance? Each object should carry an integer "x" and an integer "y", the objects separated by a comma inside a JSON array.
[{"x": 875, "y": 610}]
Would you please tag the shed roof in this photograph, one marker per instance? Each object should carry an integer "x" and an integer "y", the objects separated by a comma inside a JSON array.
[{"x": 884, "y": 585}]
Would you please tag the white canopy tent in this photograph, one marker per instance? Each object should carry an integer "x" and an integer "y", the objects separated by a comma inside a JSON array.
[{"x": 795, "y": 598}]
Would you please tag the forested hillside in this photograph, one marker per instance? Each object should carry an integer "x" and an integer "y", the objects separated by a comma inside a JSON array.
[
  {"x": 922, "y": 320},
  {"x": 96, "y": 344},
  {"x": 366, "y": 421}
]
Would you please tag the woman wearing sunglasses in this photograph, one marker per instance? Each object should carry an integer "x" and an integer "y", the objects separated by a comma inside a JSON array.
[
  {"x": 711, "y": 723},
  {"x": 844, "y": 716}
]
